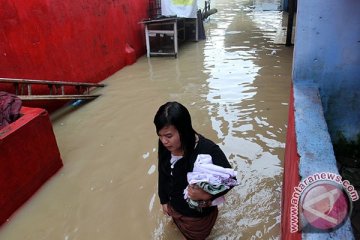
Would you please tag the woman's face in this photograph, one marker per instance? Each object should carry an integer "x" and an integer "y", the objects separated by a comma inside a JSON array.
[{"x": 170, "y": 138}]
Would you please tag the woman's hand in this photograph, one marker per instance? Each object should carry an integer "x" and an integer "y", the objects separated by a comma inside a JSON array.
[
  {"x": 165, "y": 209},
  {"x": 197, "y": 194}
]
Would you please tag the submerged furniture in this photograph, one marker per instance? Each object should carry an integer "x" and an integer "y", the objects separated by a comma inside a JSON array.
[
  {"x": 160, "y": 28},
  {"x": 162, "y": 35}
]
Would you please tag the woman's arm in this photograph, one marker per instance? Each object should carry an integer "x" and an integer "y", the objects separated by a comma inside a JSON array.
[
  {"x": 163, "y": 190},
  {"x": 165, "y": 209},
  {"x": 219, "y": 159},
  {"x": 163, "y": 181},
  {"x": 198, "y": 194}
]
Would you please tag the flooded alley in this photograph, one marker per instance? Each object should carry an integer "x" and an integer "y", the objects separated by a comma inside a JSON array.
[{"x": 236, "y": 85}]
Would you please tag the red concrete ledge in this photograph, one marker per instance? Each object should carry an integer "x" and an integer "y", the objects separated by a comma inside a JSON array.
[
  {"x": 291, "y": 176},
  {"x": 29, "y": 156}
]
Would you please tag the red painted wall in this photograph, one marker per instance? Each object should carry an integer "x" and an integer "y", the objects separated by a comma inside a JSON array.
[
  {"x": 29, "y": 156},
  {"x": 291, "y": 176},
  {"x": 83, "y": 40}
]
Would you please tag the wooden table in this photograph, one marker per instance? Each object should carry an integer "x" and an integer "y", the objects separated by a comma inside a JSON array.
[{"x": 172, "y": 27}]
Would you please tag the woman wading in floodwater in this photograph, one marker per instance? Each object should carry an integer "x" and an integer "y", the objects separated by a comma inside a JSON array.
[{"x": 194, "y": 173}]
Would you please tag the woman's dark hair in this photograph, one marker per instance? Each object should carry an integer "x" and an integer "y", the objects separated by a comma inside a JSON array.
[{"x": 174, "y": 113}]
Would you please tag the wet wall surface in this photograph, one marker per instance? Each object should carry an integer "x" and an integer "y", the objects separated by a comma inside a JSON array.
[
  {"x": 332, "y": 63},
  {"x": 81, "y": 41},
  {"x": 236, "y": 85}
]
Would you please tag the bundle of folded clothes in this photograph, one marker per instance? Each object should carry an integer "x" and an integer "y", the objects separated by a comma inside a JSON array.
[{"x": 211, "y": 178}]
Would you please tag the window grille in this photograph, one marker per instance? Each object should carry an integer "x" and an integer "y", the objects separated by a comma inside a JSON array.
[{"x": 154, "y": 9}]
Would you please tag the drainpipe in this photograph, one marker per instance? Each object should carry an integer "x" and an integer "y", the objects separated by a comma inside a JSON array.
[
  {"x": 290, "y": 22},
  {"x": 285, "y": 5}
]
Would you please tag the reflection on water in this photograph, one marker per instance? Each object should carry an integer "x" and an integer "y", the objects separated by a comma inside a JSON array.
[
  {"x": 236, "y": 86},
  {"x": 248, "y": 91}
]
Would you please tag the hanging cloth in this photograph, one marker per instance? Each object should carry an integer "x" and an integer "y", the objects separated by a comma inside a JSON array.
[
  {"x": 180, "y": 8},
  {"x": 10, "y": 106}
]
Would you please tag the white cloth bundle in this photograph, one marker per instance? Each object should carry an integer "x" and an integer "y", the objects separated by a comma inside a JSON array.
[
  {"x": 205, "y": 171},
  {"x": 180, "y": 8}
]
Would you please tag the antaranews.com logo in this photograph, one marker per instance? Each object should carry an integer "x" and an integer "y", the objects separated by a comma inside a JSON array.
[{"x": 321, "y": 202}]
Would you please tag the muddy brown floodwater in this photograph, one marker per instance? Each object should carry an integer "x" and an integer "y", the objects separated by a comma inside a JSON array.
[{"x": 236, "y": 84}]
